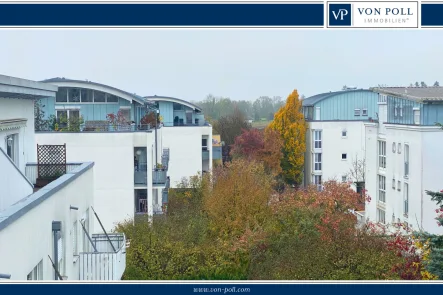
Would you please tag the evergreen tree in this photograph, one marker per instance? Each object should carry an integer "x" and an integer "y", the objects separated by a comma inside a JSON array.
[{"x": 435, "y": 262}]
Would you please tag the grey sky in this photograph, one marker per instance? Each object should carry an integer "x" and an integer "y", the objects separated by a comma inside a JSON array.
[{"x": 240, "y": 64}]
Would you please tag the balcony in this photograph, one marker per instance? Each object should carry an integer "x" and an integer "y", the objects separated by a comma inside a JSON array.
[
  {"x": 107, "y": 262},
  {"x": 93, "y": 126},
  {"x": 159, "y": 176},
  {"x": 31, "y": 172}
]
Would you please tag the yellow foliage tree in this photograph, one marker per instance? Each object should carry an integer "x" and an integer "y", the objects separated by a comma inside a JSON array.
[{"x": 289, "y": 122}]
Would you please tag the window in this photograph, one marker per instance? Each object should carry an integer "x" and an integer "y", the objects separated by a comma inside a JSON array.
[
  {"x": 86, "y": 95},
  {"x": 416, "y": 116},
  {"x": 62, "y": 113},
  {"x": 399, "y": 185},
  {"x": 344, "y": 133},
  {"x": 401, "y": 110},
  {"x": 317, "y": 139},
  {"x": 357, "y": 112},
  {"x": 11, "y": 142},
  {"x": 99, "y": 96},
  {"x": 381, "y": 154},
  {"x": 204, "y": 144},
  {"x": 177, "y": 107},
  {"x": 74, "y": 238},
  {"x": 62, "y": 95},
  {"x": 111, "y": 98},
  {"x": 73, "y": 94},
  {"x": 344, "y": 178},
  {"x": 394, "y": 146},
  {"x": 364, "y": 112},
  {"x": 381, "y": 188},
  {"x": 36, "y": 273},
  {"x": 406, "y": 200},
  {"x": 317, "y": 113},
  {"x": 381, "y": 216},
  {"x": 317, "y": 182},
  {"x": 406, "y": 160},
  {"x": 399, "y": 148},
  {"x": 317, "y": 161},
  {"x": 395, "y": 110},
  {"x": 393, "y": 183},
  {"x": 344, "y": 156}
]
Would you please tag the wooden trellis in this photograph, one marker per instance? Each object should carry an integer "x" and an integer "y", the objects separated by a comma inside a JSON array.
[{"x": 51, "y": 161}]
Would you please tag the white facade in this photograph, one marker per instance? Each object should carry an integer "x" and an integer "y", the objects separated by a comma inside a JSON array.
[
  {"x": 185, "y": 144},
  {"x": 332, "y": 147},
  {"x": 399, "y": 176},
  {"x": 113, "y": 155}
]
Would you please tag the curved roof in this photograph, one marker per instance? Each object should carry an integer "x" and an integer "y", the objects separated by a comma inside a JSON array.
[
  {"x": 310, "y": 101},
  {"x": 173, "y": 99},
  {"x": 64, "y": 82}
]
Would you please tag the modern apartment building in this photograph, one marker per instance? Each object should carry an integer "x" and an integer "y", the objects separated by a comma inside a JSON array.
[
  {"x": 402, "y": 150},
  {"x": 335, "y": 138},
  {"x": 46, "y": 212}
]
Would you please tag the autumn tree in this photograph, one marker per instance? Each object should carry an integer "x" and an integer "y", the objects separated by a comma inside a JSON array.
[{"x": 289, "y": 122}]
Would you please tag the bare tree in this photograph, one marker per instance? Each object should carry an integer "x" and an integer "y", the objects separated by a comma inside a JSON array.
[{"x": 356, "y": 174}]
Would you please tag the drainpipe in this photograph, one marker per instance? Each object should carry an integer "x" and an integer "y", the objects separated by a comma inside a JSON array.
[
  {"x": 156, "y": 122},
  {"x": 56, "y": 228}
]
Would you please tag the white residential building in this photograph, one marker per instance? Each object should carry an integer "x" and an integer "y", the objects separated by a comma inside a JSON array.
[
  {"x": 46, "y": 231},
  {"x": 335, "y": 137},
  {"x": 402, "y": 153}
]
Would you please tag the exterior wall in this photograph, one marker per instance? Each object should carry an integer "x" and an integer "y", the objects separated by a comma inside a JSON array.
[
  {"x": 20, "y": 109},
  {"x": 167, "y": 112},
  {"x": 333, "y": 146},
  {"x": 423, "y": 175},
  {"x": 13, "y": 184},
  {"x": 30, "y": 235},
  {"x": 400, "y": 110},
  {"x": 342, "y": 106},
  {"x": 113, "y": 154},
  {"x": 185, "y": 144},
  {"x": 431, "y": 114}
]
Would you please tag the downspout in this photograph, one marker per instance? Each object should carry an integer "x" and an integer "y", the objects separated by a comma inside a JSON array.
[
  {"x": 421, "y": 182},
  {"x": 56, "y": 227}
]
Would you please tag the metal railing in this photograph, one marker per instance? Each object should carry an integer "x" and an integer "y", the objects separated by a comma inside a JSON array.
[
  {"x": 31, "y": 170},
  {"x": 105, "y": 264},
  {"x": 100, "y": 127}
]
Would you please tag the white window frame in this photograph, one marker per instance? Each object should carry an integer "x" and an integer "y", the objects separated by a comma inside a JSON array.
[
  {"x": 381, "y": 185},
  {"x": 381, "y": 216},
  {"x": 401, "y": 110},
  {"x": 345, "y": 158},
  {"x": 364, "y": 112},
  {"x": 344, "y": 133},
  {"x": 14, "y": 147},
  {"x": 318, "y": 182},
  {"x": 317, "y": 139},
  {"x": 382, "y": 154},
  {"x": 67, "y": 102},
  {"x": 406, "y": 161},
  {"x": 416, "y": 114},
  {"x": 344, "y": 178},
  {"x": 406, "y": 200},
  {"x": 317, "y": 113},
  {"x": 357, "y": 112},
  {"x": 317, "y": 161}
]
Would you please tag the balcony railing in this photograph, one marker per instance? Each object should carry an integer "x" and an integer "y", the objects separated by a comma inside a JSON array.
[
  {"x": 159, "y": 176},
  {"x": 31, "y": 170},
  {"x": 96, "y": 126},
  {"x": 105, "y": 264},
  {"x": 141, "y": 174}
]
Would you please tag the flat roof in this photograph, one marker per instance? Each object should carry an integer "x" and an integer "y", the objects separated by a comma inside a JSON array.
[{"x": 12, "y": 87}]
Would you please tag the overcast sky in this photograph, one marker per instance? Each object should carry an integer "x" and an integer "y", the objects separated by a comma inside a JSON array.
[{"x": 240, "y": 64}]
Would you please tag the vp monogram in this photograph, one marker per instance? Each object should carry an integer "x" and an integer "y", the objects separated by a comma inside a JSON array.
[{"x": 341, "y": 13}]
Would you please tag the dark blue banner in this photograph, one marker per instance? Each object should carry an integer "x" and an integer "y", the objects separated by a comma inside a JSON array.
[
  {"x": 432, "y": 15},
  {"x": 165, "y": 15},
  {"x": 225, "y": 288}
]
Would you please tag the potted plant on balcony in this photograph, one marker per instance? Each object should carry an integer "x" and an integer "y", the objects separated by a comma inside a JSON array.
[
  {"x": 117, "y": 122},
  {"x": 159, "y": 167},
  {"x": 112, "y": 120}
]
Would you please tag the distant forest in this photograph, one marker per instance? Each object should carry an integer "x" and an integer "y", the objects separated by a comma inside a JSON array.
[{"x": 263, "y": 108}]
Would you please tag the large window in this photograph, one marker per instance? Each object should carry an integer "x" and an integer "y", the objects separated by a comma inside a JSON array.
[
  {"x": 406, "y": 160},
  {"x": 177, "y": 106},
  {"x": 317, "y": 139},
  {"x": 382, "y": 188},
  {"x": 317, "y": 182},
  {"x": 381, "y": 154},
  {"x": 82, "y": 95},
  {"x": 317, "y": 161},
  {"x": 12, "y": 147},
  {"x": 406, "y": 200}
]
